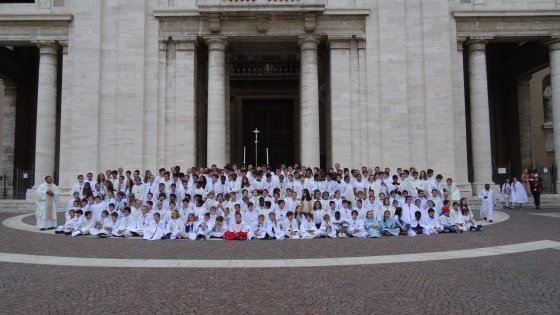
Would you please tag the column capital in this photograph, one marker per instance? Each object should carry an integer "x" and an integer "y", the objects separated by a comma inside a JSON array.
[
  {"x": 554, "y": 43},
  {"x": 162, "y": 42},
  {"x": 216, "y": 42},
  {"x": 308, "y": 42},
  {"x": 184, "y": 42},
  {"x": 460, "y": 42},
  {"x": 477, "y": 44},
  {"x": 47, "y": 47},
  {"x": 340, "y": 41},
  {"x": 64, "y": 45},
  {"x": 361, "y": 42}
]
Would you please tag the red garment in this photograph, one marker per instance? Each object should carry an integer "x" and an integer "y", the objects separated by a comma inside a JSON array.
[{"x": 240, "y": 236}]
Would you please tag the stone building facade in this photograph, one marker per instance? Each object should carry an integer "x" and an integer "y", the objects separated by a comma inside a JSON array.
[{"x": 156, "y": 83}]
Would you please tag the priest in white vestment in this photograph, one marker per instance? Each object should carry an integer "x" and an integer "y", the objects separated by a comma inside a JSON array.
[{"x": 47, "y": 204}]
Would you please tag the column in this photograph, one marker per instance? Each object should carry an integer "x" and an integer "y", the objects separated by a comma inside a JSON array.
[
  {"x": 525, "y": 130},
  {"x": 480, "y": 115},
  {"x": 216, "y": 135},
  {"x": 554, "y": 46},
  {"x": 309, "y": 112},
  {"x": 185, "y": 100},
  {"x": 459, "y": 122},
  {"x": 7, "y": 132},
  {"x": 45, "y": 140},
  {"x": 66, "y": 175},
  {"x": 341, "y": 124},
  {"x": 162, "y": 76},
  {"x": 354, "y": 104}
]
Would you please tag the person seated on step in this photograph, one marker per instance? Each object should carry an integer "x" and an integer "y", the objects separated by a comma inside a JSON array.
[
  {"x": 327, "y": 228},
  {"x": 371, "y": 225},
  {"x": 190, "y": 230},
  {"x": 219, "y": 227},
  {"x": 446, "y": 223},
  {"x": 156, "y": 229},
  {"x": 274, "y": 229},
  {"x": 98, "y": 227},
  {"x": 418, "y": 225},
  {"x": 307, "y": 229},
  {"x": 433, "y": 222},
  {"x": 356, "y": 226},
  {"x": 203, "y": 227},
  {"x": 387, "y": 225},
  {"x": 127, "y": 225},
  {"x": 291, "y": 226},
  {"x": 457, "y": 218},
  {"x": 257, "y": 230},
  {"x": 469, "y": 221},
  {"x": 108, "y": 226},
  {"x": 83, "y": 226},
  {"x": 237, "y": 230},
  {"x": 69, "y": 224},
  {"x": 340, "y": 225}
]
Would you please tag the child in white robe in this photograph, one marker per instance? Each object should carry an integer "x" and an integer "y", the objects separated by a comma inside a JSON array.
[
  {"x": 274, "y": 229},
  {"x": 107, "y": 226},
  {"x": 340, "y": 225},
  {"x": 419, "y": 225},
  {"x": 98, "y": 227},
  {"x": 257, "y": 230},
  {"x": 156, "y": 229},
  {"x": 203, "y": 228},
  {"x": 308, "y": 230},
  {"x": 83, "y": 226},
  {"x": 291, "y": 227},
  {"x": 487, "y": 203},
  {"x": 174, "y": 226},
  {"x": 469, "y": 221},
  {"x": 69, "y": 224},
  {"x": 190, "y": 230},
  {"x": 457, "y": 218},
  {"x": 433, "y": 222},
  {"x": 505, "y": 194},
  {"x": 127, "y": 225},
  {"x": 327, "y": 228},
  {"x": 355, "y": 226},
  {"x": 218, "y": 228}
]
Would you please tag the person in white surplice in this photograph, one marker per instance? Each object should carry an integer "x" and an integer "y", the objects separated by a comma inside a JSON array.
[{"x": 47, "y": 204}]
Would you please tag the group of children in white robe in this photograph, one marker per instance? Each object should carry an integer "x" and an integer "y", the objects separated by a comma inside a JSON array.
[
  {"x": 513, "y": 194},
  {"x": 350, "y": 209}
]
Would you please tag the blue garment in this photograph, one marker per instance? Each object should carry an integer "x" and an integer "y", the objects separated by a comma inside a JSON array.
[
  {"x": 389, "y": 226},
  {"x": 370, "y": 229}
]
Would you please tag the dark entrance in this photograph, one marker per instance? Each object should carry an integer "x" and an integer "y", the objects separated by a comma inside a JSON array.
[{"x": 275, "y": 120}]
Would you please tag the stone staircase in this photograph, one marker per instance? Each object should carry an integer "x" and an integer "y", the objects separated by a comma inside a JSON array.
[
  {"x": 22, "y": 206},
  {"x": 548, "y": 201}
]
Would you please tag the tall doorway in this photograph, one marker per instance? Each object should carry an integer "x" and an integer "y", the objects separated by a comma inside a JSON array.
[{"x": 274, "y": 118}]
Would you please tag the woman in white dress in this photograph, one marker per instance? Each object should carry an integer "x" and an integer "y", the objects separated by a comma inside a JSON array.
[{"x": 518, "y": 193}]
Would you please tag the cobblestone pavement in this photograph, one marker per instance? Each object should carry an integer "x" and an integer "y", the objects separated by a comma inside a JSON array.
[{"x": 524, "y": 283}]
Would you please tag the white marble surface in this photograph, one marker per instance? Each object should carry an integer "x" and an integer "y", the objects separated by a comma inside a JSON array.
[
  {"x": 216, "y": 140},
  {"x": 555, "y": 84},
  {"x": 480, "y": 115},
  {"x": 45, "y": 140},
  {"x": 309, "y": 89}
]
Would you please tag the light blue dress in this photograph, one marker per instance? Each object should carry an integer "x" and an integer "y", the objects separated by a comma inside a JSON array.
[
  {"x": 389, "y": 226},
  {"x": 370, "y": 229}
]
